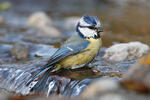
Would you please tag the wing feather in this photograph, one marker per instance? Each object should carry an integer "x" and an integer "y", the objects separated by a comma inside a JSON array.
[{"x": 66, "y": 50}]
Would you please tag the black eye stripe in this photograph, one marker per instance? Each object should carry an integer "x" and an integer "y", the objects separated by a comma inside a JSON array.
[{"x": 91, "y": 27}]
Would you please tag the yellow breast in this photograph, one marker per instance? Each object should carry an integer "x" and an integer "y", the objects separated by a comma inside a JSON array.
[{"x": 83, "y": 57}]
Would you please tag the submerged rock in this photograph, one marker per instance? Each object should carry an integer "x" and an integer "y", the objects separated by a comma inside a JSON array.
[
  {"x": 20, "y": 51},
  {"x": 126, "y": 51},
  {"x": 138, "y": 76},
  {"x": 43, "y": 23}
]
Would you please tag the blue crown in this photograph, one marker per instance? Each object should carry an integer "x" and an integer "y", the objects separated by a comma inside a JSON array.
[{"x": 90, "y": 19}]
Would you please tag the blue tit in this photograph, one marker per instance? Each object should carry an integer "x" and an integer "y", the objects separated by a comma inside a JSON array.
[{"x": 78, "y": 51}]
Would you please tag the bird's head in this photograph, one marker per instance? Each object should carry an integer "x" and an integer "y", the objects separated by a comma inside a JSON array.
[{"x": 89, "y": 27}]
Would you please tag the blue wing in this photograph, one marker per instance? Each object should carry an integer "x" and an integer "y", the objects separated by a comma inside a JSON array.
[
  {"x": 71, "y": 47},
  {"x": 67, "y": 50}
]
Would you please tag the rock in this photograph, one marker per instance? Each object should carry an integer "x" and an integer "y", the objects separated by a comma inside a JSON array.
[
  {"x": 43, "y": 23},
  {"x": 138, "y": 76},
  {"x": 1, "y": 20},
  {"x": 100, "y": 86},
  {"x": 20, "y": 51},
  {"x": 4, "y": 95},
  {"x": 112, "y": 97},
  {"x": 107, "y": 89},
  {"x": 126, "y": 51},
  {"x": 70, "y": 23}
]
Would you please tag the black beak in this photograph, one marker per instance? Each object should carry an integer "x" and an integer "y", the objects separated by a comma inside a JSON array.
[{"x": 99, "y": 29}]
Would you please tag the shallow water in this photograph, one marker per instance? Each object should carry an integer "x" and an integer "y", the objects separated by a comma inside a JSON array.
[
  {"x": 121, "y": 24},
  {"x": 66, "y": 82}
]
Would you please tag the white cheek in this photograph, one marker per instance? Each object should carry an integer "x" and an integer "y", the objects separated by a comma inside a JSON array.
[{"x": 87, "y": 32}]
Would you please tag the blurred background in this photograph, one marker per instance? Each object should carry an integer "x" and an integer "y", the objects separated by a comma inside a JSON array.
[{"x": 123, "y": 20}]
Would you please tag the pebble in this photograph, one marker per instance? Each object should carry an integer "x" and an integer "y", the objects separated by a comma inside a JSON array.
[
  {"x": 100, "y": 86},
  {"x": 138, "y": 76},
  {"x": 20, "y": 51},
  {"x": 111, "y": 97},
  {"x": 126, "y": 51},
  {"x": 43, "y": 23}
]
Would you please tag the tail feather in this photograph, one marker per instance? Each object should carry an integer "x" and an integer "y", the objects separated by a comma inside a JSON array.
[
  {"x": 37, "y": 75},
  {"x": 39, "y": 86}
]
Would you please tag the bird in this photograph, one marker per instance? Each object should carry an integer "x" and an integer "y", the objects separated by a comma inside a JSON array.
[{"x": 78, "y": 51}]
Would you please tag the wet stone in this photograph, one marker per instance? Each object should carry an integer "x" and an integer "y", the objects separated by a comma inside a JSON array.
[
  {"x": 126, "y": 51},
  {"x": 108, "y": 89},
  {"x": 138, "y": 76},
  {"x": 100, "y": 86},
  {"x": 20, "y": 51},
  {"x": 4, "y": 95},
  {"x": 105, "y": 67}
]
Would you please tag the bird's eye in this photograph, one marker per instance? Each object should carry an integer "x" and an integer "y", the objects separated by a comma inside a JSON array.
[{"x": 91, "y": 27}]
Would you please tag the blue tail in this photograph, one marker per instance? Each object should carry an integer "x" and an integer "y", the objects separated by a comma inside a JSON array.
[
  {"x": 39, "y": 86},
  {"x": 41, "y": 71}
]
